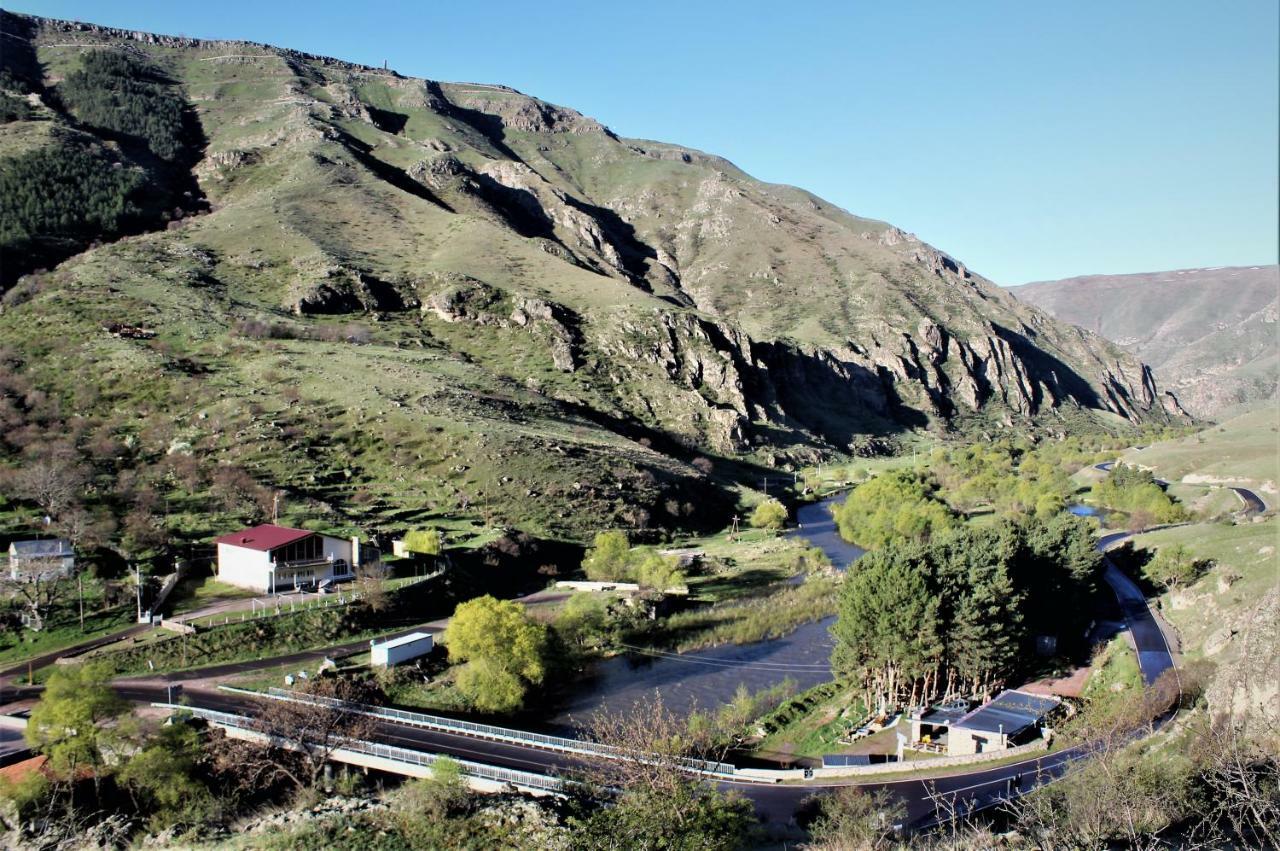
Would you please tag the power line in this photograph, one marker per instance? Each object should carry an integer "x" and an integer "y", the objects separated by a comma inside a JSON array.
[{"x": 727, "y": 663}]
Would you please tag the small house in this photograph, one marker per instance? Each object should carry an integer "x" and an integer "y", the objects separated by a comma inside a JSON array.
[
  {"x": 272, "y": 558},
  {"x": 47, "y": 558},
  {"x": 1012, "y": 718}
]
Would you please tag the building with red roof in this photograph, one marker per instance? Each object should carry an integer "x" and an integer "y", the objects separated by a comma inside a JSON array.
[{"x": 272, "y": 558}]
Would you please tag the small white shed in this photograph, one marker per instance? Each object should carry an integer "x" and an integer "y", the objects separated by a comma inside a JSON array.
[{"x": 402, "y": 649}]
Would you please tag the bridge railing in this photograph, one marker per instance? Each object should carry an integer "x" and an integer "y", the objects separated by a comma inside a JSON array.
[
  {"x": 394, "y": 753},
  {"x": 486, "y": 731}
]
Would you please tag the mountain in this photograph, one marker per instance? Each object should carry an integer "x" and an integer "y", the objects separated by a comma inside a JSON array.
[
  {"x": 403, "y": 300},
  {"x": 1209, "y": 334}
]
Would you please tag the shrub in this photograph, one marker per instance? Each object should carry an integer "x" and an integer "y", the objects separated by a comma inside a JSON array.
[{"x": 769, "y": 514}]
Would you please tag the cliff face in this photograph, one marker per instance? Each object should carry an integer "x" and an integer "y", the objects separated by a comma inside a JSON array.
[{"x": 644, "y": 291}]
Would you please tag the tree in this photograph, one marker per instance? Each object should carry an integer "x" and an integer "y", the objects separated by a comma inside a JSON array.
[
  {"x": 297, "y": 737},
  {"x": 52, "y": 478},
  {"x": 895, "y": 505},
  {"x": 423, "y": 542},
  {"x": 162, "y": 774},
  {"x": 770, "y": 514},
  {"x": 1174, "y": 567},
  {"x": 656, "y": 803},
  {"x": 886, "y": 634},
  {"x": 583, "y": 620},
  {"x": 658, "y": 572},
  {"x": 609, "y": 559},
  {"x": 74, "y": 722},
  {"x": 850, "y": 819},
  {"x": 371, "y": 582},
  {"x": 41, "y": 586},
  {"x": 504, "y": 652}
]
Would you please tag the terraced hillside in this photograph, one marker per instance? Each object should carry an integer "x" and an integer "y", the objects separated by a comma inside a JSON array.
[{"x": 404, "y": 300}]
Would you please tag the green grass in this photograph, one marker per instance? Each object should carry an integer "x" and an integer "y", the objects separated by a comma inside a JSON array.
[
  {"x": 1243, "y": 451},
  {"x": 748, "y": 619},
  {"x": 1115, "y": 672},
  {"x": 1245, "y": 569},
  {"x": 811, "y": 723},
  {"x": 62, "y": 632}
]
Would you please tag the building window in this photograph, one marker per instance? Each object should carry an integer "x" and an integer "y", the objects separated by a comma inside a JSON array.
[{"x": 310, "y": 548}]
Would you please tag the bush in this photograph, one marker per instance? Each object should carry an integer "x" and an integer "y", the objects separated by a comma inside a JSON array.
[
  {"x": 13, "y": 108},
  {"x": 769, "y": 514}
]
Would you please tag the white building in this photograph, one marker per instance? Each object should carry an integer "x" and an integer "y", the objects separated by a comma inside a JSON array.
[
  {"x": 44, "y": 558},
  {"x": 276, "y": 558},
  {"x": 402, "y": 649}
]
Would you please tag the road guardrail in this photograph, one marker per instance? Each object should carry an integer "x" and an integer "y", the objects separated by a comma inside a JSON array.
[
  {"x": 391, "y": 752},
  {"x": 485, "y": 731}
]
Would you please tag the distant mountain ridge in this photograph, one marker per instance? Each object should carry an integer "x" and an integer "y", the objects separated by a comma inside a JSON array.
[
  {"x": 1209, "y": 334},
  {"x": 494, "y": 304}
]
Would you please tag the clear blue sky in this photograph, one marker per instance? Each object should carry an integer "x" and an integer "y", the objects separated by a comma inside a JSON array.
[{"x": 1030, "y": 139}]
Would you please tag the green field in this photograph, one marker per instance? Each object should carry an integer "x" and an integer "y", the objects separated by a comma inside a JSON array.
[
  {"x": 1243, "y": 451},
  {"x": 1246, "y": 568}
]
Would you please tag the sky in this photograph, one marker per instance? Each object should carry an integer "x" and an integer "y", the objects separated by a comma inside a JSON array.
[{"x": 1031, "y": 140}]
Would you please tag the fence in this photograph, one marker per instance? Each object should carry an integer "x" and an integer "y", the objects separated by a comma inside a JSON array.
[
  {"x": 393, "y": 753},
  {"x": 485, "y": 731}
]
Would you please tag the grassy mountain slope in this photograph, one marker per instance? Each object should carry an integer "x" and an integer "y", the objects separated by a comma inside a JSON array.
[
  {"x": 1209, "y": 334},
  {"x": 407, "y": 301}
]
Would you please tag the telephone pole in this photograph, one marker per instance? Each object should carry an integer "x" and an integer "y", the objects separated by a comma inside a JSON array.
[{"x": 137, "y": 589}]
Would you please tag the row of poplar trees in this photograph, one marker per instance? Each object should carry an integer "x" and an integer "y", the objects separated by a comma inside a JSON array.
[{"x": 958, "y": 614}]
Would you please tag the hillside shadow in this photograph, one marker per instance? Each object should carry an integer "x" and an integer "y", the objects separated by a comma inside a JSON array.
[
  {"x": 363, "y": 152},
  {"x": 838, "y": 401},
  {"x": 621, "y": 235}
]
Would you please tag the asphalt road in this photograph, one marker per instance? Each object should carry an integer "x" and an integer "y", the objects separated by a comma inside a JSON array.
[
  {"x": 1253, "y": 503},
  {"x": 775, "y": 802}
]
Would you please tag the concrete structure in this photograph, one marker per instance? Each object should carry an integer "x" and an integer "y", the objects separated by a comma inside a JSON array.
[
  {"x": 276, "y": 558},
  {"x": 402, "y": 649},
  {"x": 1013, "y": 718},
  {"x": 46, "y": 558}
]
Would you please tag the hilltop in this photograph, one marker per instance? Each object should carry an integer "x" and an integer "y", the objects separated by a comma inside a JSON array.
[
  {"x": 402, "y": 300},
  {"x": 1209, "y": 334}
]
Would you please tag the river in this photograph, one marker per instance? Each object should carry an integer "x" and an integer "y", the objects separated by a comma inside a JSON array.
[{"x": 705, "y": 679}]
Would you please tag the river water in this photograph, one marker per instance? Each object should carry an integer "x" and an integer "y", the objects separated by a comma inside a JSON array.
[{"x": 705, "y": 679}]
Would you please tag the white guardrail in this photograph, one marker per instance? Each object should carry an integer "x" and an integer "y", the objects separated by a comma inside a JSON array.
[
  {"x": 391, "y": 752},
  {"x": 483, "y": 731}
]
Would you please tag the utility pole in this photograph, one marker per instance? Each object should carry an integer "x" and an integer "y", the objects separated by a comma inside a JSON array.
[
  {"x": 765, "y": 479},
  {"x": 137, "y": 589},
  {"x": 80, "y": 588},
  {"x": 275, "y": 506}
]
